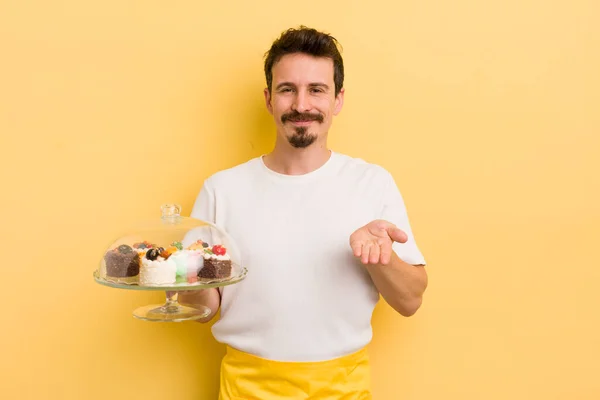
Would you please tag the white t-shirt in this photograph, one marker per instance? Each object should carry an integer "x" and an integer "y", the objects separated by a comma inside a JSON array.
[{"x": 306, "y": 297}]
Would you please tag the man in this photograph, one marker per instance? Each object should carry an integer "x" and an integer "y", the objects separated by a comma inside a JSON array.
[{"x": 322, "y": 235}]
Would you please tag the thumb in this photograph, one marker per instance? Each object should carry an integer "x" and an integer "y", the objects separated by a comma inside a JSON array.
[{"x": 397, "y": 235}]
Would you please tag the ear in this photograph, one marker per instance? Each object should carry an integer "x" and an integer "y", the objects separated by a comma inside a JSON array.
[
  {"x": 267, "y": 94},
  {"x": 339, "y": 102}
]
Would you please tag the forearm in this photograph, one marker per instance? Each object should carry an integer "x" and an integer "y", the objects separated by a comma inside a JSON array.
[
  {"x": 197, "y": 298},
  {"x": 401, "y": 284}
]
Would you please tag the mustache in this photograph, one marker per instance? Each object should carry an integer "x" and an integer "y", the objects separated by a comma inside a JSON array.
[{"x": 297, "y": 116}]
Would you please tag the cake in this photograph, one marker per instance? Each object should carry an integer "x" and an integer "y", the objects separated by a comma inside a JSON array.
[
  {"x": 217, "y": 263},
  {"x": 122, "y": 262},
  {"x": 187, "y": 262},
  {"x": 157, "y": 268}
]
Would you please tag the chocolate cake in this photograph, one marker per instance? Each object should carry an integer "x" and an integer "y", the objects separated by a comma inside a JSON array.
[
  {"x": 215, "y": 269},
  {"x": 122, "y": 262}
]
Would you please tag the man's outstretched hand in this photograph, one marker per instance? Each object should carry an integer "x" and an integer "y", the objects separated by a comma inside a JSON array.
[{"x": 373, "y": 242}]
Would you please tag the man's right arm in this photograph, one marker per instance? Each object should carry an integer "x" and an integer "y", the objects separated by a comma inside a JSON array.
[{"x": 210, "y": 298}]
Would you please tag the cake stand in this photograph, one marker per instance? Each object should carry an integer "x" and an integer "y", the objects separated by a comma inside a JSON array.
[
  {"x": 157, "y": 239},
  {"x": 171, "y": 310}
]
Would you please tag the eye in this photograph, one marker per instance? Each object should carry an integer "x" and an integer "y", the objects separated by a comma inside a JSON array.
[
  {"x": 285, "y": 90},
  {"x": 317, "y": 90}
]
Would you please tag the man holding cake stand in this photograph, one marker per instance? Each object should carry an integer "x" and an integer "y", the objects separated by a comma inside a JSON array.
[{"x": 322, "y": 234}]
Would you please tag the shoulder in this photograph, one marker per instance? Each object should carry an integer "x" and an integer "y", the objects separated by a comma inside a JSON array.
[
  {"x": 233, "y": 175},
  {"x": 355, "y": 166}
]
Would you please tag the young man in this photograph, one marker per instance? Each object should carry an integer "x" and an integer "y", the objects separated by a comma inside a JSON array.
[{"x": 322, "y": 235}]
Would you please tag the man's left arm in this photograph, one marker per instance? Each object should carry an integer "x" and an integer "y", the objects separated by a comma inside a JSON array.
[{"x": 401, "y": 284}]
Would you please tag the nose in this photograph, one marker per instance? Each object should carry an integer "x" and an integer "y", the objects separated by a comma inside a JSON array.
[{"x": 301, "y": 102}]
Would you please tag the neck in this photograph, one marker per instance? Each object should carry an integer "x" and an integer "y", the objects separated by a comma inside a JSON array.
[{"x": 288, "y": 160}]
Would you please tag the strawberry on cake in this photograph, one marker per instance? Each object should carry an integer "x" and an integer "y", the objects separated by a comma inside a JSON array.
[{"x": 217, "y": 263}]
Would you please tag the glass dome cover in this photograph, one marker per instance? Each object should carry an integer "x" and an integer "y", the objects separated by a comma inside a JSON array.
[{"x": 171, "y": 253}]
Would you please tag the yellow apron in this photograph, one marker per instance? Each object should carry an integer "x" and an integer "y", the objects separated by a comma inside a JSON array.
[{"x": 244, "y": 376}]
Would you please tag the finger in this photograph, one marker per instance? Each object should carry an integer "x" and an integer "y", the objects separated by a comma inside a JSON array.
[
  {"x": 356, "y": 248},
  {"x": 386, "y": 253},
  {"x": 397, "y": 235},
  {"x": 374, "y": 255},
  {"x": 366, "y": 249}
]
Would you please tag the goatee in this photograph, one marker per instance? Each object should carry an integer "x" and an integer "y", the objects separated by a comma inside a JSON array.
[{"x": 301, "y": 139}]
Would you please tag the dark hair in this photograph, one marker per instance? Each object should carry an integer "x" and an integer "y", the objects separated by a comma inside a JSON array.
[{"x": 308, "y": 41}]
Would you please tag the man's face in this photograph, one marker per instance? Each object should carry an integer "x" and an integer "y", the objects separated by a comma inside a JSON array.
[{"x": 302, "y": 98}]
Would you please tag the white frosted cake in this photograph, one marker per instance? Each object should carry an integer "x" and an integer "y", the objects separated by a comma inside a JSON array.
[{"x": 157, "y": 268}]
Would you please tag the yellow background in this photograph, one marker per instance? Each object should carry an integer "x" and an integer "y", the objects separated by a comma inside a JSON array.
[{"x": 486, "y": 112}]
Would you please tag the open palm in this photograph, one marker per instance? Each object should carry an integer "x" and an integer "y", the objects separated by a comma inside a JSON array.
[{"x": 373, "y": 242}]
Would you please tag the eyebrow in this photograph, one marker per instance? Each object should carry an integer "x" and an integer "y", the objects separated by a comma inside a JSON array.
[{"x": 315, "y": 84}]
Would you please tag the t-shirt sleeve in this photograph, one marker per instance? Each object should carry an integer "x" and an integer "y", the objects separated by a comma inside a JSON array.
[
  {"x": 204, "y": 210},
  {"x": 394, "y": 211},
  {"x": 205, "y": 206}
]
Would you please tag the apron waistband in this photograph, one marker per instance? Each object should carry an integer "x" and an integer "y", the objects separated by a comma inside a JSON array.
[
  {"x": 343, "y": 361},
  {"x": 246, "y": 376}
]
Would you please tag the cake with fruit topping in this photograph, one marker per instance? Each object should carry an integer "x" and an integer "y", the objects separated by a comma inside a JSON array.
[
  {"x": 217, "y": 263},
  {"x": 122, "y": 262},
  {"x": 157, "y": 267},
  {"x": 188, "y": 262}
]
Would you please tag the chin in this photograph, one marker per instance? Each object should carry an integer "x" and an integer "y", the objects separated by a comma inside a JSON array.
[{"x": 302, "y": 142}]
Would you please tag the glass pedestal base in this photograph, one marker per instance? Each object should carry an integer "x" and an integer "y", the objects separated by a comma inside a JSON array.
[{"x": 171, "y": 311}]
